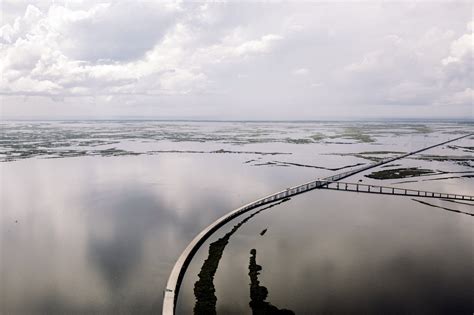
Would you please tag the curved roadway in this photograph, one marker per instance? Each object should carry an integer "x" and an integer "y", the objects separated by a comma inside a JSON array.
[{"x": 177, "y": 274}]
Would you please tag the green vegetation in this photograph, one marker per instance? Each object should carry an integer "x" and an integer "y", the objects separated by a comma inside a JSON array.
[
  {"x": 398, "y": 173},
  {"x": 298, "y": 141},
  {"x": 453, "y": 158},
  {"x": 463, "y": 148},
  {"x": 72, "y": 139},
  {"x": 318, "y": 136},
  {"x": 13, "y": 155},
  {"x": 374, "y": 156},
  {"x": 258, "y": 293},
  {"x": 355, "y": 133},
  {"x": 421, "y": 129},
  {"x": 463, "y": 160},
  {"x": 204, "y": 289}
]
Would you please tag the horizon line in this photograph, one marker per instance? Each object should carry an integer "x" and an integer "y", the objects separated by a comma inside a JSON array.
[{"x": 125, "y": 118}]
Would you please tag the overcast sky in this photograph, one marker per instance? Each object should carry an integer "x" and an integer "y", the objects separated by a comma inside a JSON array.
[{"x": 229, "y": 60}]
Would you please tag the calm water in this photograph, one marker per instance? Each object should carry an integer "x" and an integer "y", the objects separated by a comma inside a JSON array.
[
  {"x": 329, "y": 252},
  {"x": 94, "y": 215}
]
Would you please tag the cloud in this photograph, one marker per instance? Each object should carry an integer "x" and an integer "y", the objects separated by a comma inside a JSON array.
[
  {"x": 301, "y": 72},
  {"x": 114, "y": 48},
  {"x": 416, "y": 71},
  {"x": 234, "y": 59},
  {"x": 141, "y": 24},
  {"x": 460, "y": 48},
  {"x": 458, "y": 70},
  {"x": 371, "y": 61},
  {"x": 257, "y": 46},
  {"x": 460, "y": 98}
]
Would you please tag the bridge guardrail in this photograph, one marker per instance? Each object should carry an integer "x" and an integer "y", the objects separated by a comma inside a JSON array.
[{"x": 177, "y": 273}]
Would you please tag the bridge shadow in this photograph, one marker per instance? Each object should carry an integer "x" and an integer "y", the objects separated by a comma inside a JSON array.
[
  {"x": 204, "y": 290},
  {"x": 443, "y": 208}
]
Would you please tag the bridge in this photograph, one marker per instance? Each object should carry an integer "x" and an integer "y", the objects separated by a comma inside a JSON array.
[
  {"x": 386, "y": 190},
  {"x": 175, "y": 279}
]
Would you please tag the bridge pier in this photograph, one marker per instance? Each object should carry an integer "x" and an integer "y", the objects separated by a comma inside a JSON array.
[
  {"x": 356, "y": 187},
  {"x": 179, "y": 269}
]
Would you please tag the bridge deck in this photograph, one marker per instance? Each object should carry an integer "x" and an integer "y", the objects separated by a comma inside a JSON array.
[
  {"x": 385, "y": 190},
  {"x": 171, "y": 291}
]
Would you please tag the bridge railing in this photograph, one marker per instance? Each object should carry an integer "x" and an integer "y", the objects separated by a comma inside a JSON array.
[
  {"x": 338, "y": 185},
  {"x": 177, "y": 273}
]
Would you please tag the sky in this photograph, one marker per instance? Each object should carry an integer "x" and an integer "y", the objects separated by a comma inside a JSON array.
[{"x": 235, "y": 60}]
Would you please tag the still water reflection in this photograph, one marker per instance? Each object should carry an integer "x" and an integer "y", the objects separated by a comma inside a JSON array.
[
  {"x": 337, "y": 252},
  {"x": 204, "y": 289},
  {"x": 259, "y": 293},
  {"x": 100, "y": 235},
  {"x": 93, "y": 216}
]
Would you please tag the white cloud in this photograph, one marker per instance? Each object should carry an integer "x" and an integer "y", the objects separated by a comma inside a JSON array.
[
  {"x": 460, "y": 98},
  {"x": 256, "y": 46},
  {"x": 461, "y": 48},
  {"x": 9, "y": 33},
  {"x": 457, "y": 73},
  {"x": 301, "y": 72},
  {"x": 235, "y": 58},
  {"x": 371, "y": 61},
  {"x": 36, "y": 50},
  {"x": 415, "y": 71},
  {"x": 412, "y": 93},
  {"x": 182, "y": 80}
]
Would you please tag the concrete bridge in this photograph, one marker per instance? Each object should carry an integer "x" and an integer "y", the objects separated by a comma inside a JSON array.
[
  {"x": 173, "y": 285},
  {"x": 386, "y": 190}
]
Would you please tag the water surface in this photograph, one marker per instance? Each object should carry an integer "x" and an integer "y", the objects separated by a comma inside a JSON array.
[{"x": 94, "y": 214}]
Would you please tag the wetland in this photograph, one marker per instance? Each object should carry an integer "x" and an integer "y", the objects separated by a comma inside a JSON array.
[{"x": 94, "y": 215}]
